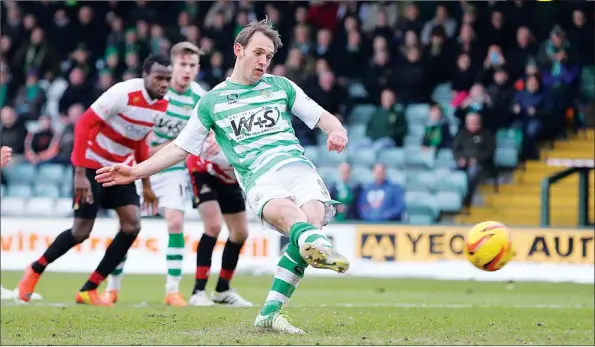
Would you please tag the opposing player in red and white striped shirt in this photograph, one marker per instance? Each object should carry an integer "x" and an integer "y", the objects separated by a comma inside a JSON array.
[
  {"x": 113, "y": 130},
  {"x": 219, "y": 198}
]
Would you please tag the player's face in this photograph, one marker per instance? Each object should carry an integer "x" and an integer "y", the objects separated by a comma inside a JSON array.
[
  {"x": 256, "y": 57},
  {"x": 185, "y": 69},
  {"x": 158, "y": 80}
]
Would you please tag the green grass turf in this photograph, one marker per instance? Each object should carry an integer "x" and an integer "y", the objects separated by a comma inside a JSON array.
[{"x": 337, "y": 311}]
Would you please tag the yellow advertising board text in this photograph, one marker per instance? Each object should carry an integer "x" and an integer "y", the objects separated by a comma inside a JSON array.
[{"x": 433, "y": 243}]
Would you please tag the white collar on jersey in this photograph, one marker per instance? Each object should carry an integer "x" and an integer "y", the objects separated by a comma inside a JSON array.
[{"x": 148, "y": 98}]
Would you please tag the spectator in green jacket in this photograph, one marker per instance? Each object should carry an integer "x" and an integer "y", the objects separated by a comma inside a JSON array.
[
  {"x": 388, "y": 126},
  {"x": 437, "y": 134},
  {"x": 346, "y": 193}
]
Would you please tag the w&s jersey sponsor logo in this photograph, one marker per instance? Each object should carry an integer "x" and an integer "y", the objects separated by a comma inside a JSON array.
[{"x": 252, "y": 123}]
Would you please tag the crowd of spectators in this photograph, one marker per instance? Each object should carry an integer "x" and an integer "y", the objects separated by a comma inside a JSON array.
[{"x": 509, "y": 64}]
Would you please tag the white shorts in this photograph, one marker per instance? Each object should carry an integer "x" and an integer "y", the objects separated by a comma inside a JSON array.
[
  {"x": 296, "y": 181},
  {"x": 172, "y": 188}
]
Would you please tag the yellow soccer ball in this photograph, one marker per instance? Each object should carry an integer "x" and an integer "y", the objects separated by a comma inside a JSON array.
[{"x": 488, "y": 246}]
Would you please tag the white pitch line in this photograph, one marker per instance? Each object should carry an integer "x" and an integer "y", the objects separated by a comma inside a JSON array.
[{"x": 12, "y": 303}]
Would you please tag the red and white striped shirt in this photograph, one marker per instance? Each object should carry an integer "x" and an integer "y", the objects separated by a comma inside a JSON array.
[
  {"x": 216, "y": 166},
  {"x": 114, "y": 129}
]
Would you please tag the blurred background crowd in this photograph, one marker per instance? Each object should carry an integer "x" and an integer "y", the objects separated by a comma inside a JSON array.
[{"x": 436, "y": 95}]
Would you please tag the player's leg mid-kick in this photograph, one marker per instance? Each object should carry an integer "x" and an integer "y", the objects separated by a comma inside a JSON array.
[
  {"x": 219, "y": 199},
  {"x": 171, "y": 185}
]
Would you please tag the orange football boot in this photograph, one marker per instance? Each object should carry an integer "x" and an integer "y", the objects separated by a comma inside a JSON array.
[
  {"x": 27, "y": 284},
  {"x": 175, "y": 299},
  {"x": 91, "y": 297},
  {"x": 110, "y": 295}
]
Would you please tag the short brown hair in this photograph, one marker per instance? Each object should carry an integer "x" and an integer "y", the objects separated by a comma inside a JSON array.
[
  {"x": 265, "y": 27},
  {"x": 184, "y": 48}
]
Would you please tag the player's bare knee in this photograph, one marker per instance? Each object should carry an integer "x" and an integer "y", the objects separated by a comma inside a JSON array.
[
  {"x": 131, "y": 227},
  {"x": 81, "y": 229},
  {"x": 315, "y": 212},
  {"x": 175, "y": 221},
  {"x": 175, "y": 226},
  {"x": 238, "y": 226},
  {"x": 213, "y": 228},
  {"x": 283, "y": 213},
  {"x": 238, "y": 234}
]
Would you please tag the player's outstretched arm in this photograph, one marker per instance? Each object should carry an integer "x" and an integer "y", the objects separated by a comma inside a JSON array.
[
  {"x": 189, "y": 141},
  {"x": 120, "y": 174},
  {"x": 337, "y": 134}
]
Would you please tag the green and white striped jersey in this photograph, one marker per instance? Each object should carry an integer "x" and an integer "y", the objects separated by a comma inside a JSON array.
[
  {"x": 179, "y": 110},
  {"x": 252, "y": 124}
]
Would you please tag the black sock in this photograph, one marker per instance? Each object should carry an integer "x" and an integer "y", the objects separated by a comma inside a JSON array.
[
  {"x": 229, "y": 261},
  {"x": 62, "y": 244},
  {"x": 204, "y": 253},
  {"x": 114, "y": 254}
]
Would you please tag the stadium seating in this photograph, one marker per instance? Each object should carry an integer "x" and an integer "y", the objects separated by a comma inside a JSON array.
[
  {"x": 442, "y": 94},
  {"x": 392, "y": 157},
  {"x": 454, "y": 181},
  {"x": 361, "y": 114},
  {"x": 417, "y": 113},
  {"x": 445, "y": 159},
  {"x": 48, "y": 190},
  {"x": 509, "y": 138},
  {"x": 587, "y": 87},
  {"x": 356, "y": 132},
  {"x": 24, "y": 173},
  {"x": 421, "y": 208},
  {"x": 363, "y": 157},
  {"x": 332, "y": 158},
  {"x": 311, "y": 152},
  {"x": 397, "y": 176},
  {"x": 416, "y": 157},
  {"x": 361, "y": 175},
  {"x": 506, "y": 157},
  {"x": 329, "y": 174},
  {"x": 413, "y": 140},
  {"x": 424, "y": 181},
  {"x": 66, "y": 190},
  {"x": 357, "y": 90},
  {"x": 20, "y": 190},
  {"x": 449, "y": 201},
  {"x": 52, "y": 173}
]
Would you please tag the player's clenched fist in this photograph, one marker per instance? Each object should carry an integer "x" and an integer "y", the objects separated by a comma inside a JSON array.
[
  {"x": 117, "y": 174},
  {"x": 6, "y": 153},
  {"x": 337, "y": 141}
]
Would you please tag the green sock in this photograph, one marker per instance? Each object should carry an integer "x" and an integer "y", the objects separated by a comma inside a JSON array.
[
  {"x": 174, "y": 258},
  {"x": 289, "y": 273},
  {"x": 302, "y": 232},
  {"x": 114, "y": 279}
]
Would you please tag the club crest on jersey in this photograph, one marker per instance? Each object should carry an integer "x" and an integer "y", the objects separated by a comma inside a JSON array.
[
  {"x": 266, "y": 93},
  {"x": 232, "y": 98}
]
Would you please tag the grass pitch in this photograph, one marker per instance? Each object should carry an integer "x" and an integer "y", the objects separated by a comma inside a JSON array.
[{"x": 337, "y": 311}]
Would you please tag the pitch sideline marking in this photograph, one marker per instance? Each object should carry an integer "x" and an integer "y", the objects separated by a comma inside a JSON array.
[{"x": 12, "y": 303}]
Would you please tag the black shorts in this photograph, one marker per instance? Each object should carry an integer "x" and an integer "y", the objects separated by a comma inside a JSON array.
[
  {"x": 206, "y": 187},
  {"x": 108, "y": 198}
]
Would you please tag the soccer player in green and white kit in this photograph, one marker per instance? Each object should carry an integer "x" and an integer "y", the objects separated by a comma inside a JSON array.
[
  {"x": 171, "y": 185},
  {"x": 250, "y": 114}
]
